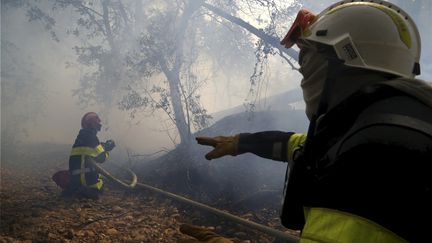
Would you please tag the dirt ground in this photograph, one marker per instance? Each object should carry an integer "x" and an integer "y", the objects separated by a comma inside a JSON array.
[{"x": 32, "y": 210}]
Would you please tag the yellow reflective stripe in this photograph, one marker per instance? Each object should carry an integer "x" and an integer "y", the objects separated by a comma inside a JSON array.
[
  {"x": 294, "y": 141},
  {"x": 396, "y": 18},
  {"x": 329, "y": 225},
  {"x": 93, "y": 152},
  {"x": 82, "y": 174},
  {"x": 99, "y": 149},
  {"x": 98, "y": 185}
]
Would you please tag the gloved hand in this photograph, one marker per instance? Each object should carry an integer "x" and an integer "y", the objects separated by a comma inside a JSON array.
[
  {"x": 222, "y": 145},
  {"x": 203, "y": 235},
  {"x": 109, "y": 145}
]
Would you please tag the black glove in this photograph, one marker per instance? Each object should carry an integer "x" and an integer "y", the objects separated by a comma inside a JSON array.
[{"x": 108, "y": 145}]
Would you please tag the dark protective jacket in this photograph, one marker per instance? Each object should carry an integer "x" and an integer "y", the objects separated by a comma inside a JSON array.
[
  {"x": 370, "y": 156},
  {"x": 86, "y": 147}
]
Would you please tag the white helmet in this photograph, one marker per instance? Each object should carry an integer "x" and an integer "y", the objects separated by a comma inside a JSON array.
[{"x": 375, "y": 35}]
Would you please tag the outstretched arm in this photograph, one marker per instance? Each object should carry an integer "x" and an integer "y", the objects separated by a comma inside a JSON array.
[
  {"x": 274, "y": 145},
  {"x": 268, "y": 144}
]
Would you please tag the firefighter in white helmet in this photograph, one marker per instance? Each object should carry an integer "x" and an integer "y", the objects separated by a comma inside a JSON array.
[{"x": 363, "y": 171}]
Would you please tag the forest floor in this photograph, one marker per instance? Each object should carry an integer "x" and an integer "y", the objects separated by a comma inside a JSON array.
[{"x": 32, "y": 210}]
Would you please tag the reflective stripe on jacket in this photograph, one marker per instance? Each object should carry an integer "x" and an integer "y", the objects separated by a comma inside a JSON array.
[
  {"x": 85, "y": 169},
  {"x": 93, "y": 152},
  {"x": 330, "y": 226},
  {"x": 86, "y": 148},
  {"x": 295, "y": 142}
]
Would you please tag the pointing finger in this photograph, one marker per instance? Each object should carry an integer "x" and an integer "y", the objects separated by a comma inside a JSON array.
[{"x": 206, "y": 141}]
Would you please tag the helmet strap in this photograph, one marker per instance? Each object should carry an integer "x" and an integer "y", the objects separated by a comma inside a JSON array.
[
  {"x": 416, "y": 68},
  {"x": 334, "y": 69},
  {"x": 335, "y": 66}
]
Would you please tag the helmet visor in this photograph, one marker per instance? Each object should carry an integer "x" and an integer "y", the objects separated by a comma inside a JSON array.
[{"x": 304, "y": 19}]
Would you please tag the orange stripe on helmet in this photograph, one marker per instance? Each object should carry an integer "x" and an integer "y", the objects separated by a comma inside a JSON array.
[{"x": 304, "y": 19}]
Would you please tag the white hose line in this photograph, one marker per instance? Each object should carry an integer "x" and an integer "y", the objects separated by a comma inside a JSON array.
[
  {"x": 107, "y": 174},
  {"x": 265, "y": 229}
]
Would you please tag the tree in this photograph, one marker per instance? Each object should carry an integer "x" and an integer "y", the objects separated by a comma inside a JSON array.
[
  {"x": 110, "y": 32},
  {"x": 268, "y": 40},
  {"x": 135, "y": 45},
  {"x": 169, "y": 54},
  {"x": 104, "y": 28},
  {"x": 159, "y": 53}
]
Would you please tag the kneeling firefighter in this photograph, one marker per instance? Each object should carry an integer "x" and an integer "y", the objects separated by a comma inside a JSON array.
[
  {"x": 84, "y": 179},
  {"x": 363, "y": 172}
]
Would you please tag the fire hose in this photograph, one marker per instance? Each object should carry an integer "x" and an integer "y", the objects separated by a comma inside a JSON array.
[{"x": 265, "y": 229}]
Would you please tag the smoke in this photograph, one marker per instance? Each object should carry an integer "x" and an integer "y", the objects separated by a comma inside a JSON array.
[
  {"x": 39, "y": 75},
  {"x": 47, "y": 73}
]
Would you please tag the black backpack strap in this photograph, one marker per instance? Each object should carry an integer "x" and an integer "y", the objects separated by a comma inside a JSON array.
[
  {"x": 396, "y": 120},
  {"x": 386, "y": 119}
]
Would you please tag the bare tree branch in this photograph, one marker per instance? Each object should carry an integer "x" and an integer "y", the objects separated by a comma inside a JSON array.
[{"x": 274, "y": 42}]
